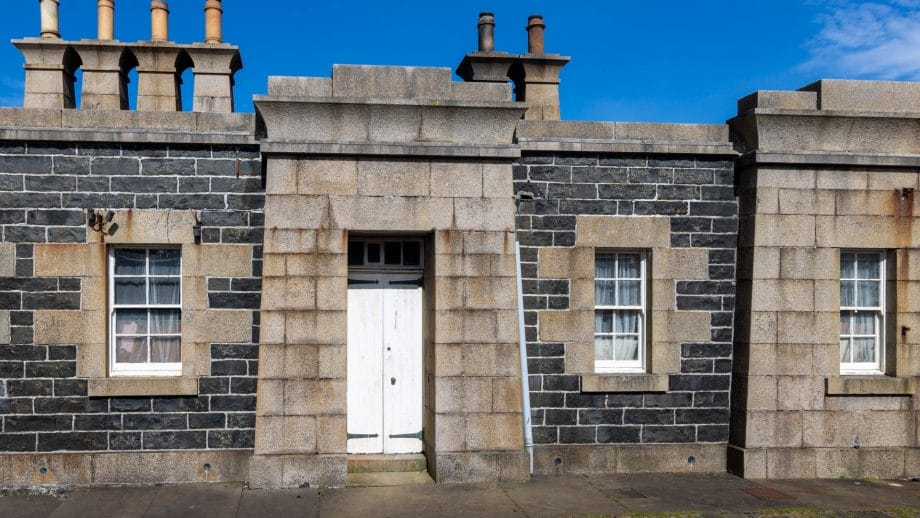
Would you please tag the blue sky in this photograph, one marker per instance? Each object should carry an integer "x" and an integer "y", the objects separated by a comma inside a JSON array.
[{"x": 651, "y": 60}]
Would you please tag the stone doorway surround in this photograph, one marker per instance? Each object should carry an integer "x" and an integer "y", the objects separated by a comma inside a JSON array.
[{"x": 396, "y": 150}]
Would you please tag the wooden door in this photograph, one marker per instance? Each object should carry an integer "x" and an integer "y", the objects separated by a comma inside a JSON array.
[{"x": 384, "y": 363}]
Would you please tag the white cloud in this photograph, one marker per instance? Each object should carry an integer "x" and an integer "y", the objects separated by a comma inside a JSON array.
[{"x": 878, "y": 40}]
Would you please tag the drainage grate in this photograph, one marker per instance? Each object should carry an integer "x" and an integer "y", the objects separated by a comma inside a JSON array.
[{"x": 766, "y": 493}]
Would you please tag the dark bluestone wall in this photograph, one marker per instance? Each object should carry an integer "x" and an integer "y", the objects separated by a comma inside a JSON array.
[
  {"x": 45, "y": 190},
  {"x": 697, "y": 194}
]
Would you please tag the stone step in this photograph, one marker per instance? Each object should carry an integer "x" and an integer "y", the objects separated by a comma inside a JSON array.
[
  {"x": 386, "y": 463},
  {"x": 392, "y": 478}
]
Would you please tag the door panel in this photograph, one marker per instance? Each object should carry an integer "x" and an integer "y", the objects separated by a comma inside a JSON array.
[
  {"x": 365, "y": 355},
  {"x": 402, "y": 365},
  {"x": 384, "y": 363}
]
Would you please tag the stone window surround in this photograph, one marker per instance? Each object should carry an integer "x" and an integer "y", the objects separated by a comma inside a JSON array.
[
  {"x": 666, "y": 326},
  {"x": 894, "y": 381},
  {"x": 87, "y": 327}
]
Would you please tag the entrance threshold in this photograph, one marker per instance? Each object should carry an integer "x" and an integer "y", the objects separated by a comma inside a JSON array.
[{"x": 388, "y": 470}]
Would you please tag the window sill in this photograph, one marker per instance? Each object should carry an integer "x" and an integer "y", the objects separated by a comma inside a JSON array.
[
  {"x": 624, "y": 383},
  {"x": 108, "y": 387},
  {"x": 869, "y": 385}
]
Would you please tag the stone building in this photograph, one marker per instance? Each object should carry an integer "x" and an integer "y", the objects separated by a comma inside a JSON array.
[{"x": 350, "y": 278}]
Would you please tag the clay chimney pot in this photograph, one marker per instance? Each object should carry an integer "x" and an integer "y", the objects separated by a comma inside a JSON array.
[
  {"x": 213, "y": 10},
  {"x": 50, "y": 21},
  {"x": 159, "y": 20},
  {"x": 535, "y": 27},
  {"x": 106, "y": 15},
  {"x": 486, "y": 32}
]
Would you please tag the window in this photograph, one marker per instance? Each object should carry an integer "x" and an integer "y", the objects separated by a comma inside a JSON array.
[
  {"x": 619, "y": 312},
  {"x": 385, "y": 253},
  {"x": 862, "y": 312},
  {"x": 145, "y": 318}
]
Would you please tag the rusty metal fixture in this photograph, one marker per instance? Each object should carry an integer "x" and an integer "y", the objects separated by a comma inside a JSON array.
[
  {"x": 535, "y": 27},
  {"x": 486, "y": 32},
  {"x": 213, "y": 30},
  {"x": 50, "y": 21},
  {"x": 105, "y": 10},
  {"x": 159, "y": 20}
]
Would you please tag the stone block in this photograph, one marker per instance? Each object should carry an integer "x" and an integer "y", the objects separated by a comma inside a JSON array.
[
  {"x": 882, "y": 463},
  {"x": 145, "y": 468},
  {"x": 450, "y": 431},
  {"x": 624, "y": 231},
  {"x": 785, "y": 230},
  {"x": 783, "y": 100},
  {"x": 92, "y": 359},
  {"x": 781, "y": 359},
  {"x": 800, "y": 393},
  {"x": 59, "y": 469},
  {"x": 393, "y": 178},
  {"x": 270, "y": 399},
  {"x": 861, "y": 232},
  {"x": 497, "y": 181},
  {"x": 488, "y": 242},
  {"x": 286, "y": 211},
  {"x": 288, "y": 434},
  {"x": 331, "y": 293},
  {"x": 457, "y": 265},
  {"x": 316, "y": 265},
  {"x": 791, "y": 463},
  {"x": 399, "y": 213},
  {"x": 867, "y": 96},
  {"x": 783, "y": 295},
  {"x": 70, "y": 260},
  {"x": 765, "y": 263},
  {"x": 448, "y": 359},
  {"x": 679, "y": 326},
  {"x": 143, "y": 387},
  {"x": 806, "y": 201},
  {"x": 663, "y": 295},
  {"x": 581, "y": 295},
  {"x": 331, "y": 434},
  {"x": 391, "y": 82},
  {"x": 566, "y": 326},
  {"x": 579, "y": 357},
  {"x": 481, "y": 467},
  {"x": 842, "y": 179},
  {"x": 316, "y": 177},
  {"x": 289, "y": 241},
  {"x": 809, "y": 263},
  {"x": 332, "y": 361},
  {"x": 836, "y": 463},
  {"x": 265, "y": 472},
  {"x": 834, "y": 429},
  {"x": 761, "y": 393},
  {"x": 291, "y": 293},
  {"x": 314, "y": 470},
  {"x": 7, "y": 259},
  {"x": 314, "y": 396},
  {"x": 870, "y": 386},
  {"x": 283, "y": 86},
  {"x": 463, "y": 395},
  {"x": 217, "y": 260},
  {"x": 680, "y": 264},
  {"x": 786, "y": 178},
  {"x": 490, "y": 293},
  {"x": 67, "y": 327},
  {"x": 217, "y": 325},
  {"x": 567, "y": 263},
  {"x": 316, "y": 327},
  {"x": 489, "y": 359},
  {"x": 870, "y": 203},
  {"x": 887, "y": 429},
  {"x": 494, "y": 431},
  {"x": 772, "y": 429},
  {"x": 808, "y": 328},
  {"x": 506, "y": 395},
  {"x": 152, "y": 227},
  {"x": 888, "y": 181},
  {"x": 604, "y": 383},
  {"x": 763, "y": 328},
  {"x": 486, "y": 214},
  {"x": 458, "y": 179}
]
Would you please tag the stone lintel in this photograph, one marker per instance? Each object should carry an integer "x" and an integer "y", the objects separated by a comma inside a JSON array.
[
  {"x": 624, "y": 383},
  {"x": 389, "y": 149},
  {"x": 869, "y": 386},
  {"x": 825, "y": 159}
]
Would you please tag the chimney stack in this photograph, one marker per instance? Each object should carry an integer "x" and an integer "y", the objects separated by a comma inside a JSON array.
[
  {"x": 212, "y": 21},
  {"x": 535, "y": 28},
  {"x": 106, "y": 17},
  {"x": 486, "y": 32},
  {"x": 50, "y": 21},
  {"x": 159, "y": 20}
]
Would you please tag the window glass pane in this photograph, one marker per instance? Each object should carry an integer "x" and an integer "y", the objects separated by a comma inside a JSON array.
[
  {"x": 863, "y": 323},
  {"x": 628, "y": 266},
  {"x": 604, "y": 265},
  {"x": 845, "y": 350},
  {"x": 164, "y": 262},
  {"x": 129, "y": 261},
  {"x": 867, "y": 266},
  {"x": 847, "y": 293},
  {"x": 412, "y": 253},
  {"x": 130, "y": 290},
  {"x": 165, "y": 321},
  {"x": 164, "y": 290},
  {"x": 603, "y": 348},
  {"x": 847, "y": 266},
  {"x": 845, "y": 317},
  {"x": 627, "y": 348},
  {"x": 131, "y": 350},
  {"x": 867, "y": 293},
  {"x": 373, "y": 253},
  {"x": 863, "y": 350},
  {"x": 628, "y": 293},
  {"x": 604, "y": 293},
  {"x": 355, "y": 253},
  {"x": 603, "y": 321},
  {"x": 164, "y": 350},
  {"x": 627, "y": 321},
  {"x": 392, "y": 252},
  {"x": 131, "y": 321}
]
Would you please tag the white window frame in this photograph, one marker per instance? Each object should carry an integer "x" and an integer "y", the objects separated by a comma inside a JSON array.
[
  {"x": 140, "y": 369},
  {"x": 866, "y": 368},
  {"x": 637, "y": 366}
]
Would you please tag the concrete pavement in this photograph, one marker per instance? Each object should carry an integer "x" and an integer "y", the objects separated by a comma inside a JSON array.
[{"x": 570, "y": 495}]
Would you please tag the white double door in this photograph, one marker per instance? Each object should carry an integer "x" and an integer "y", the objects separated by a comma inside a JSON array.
[{"x": 384, "y": 363}]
